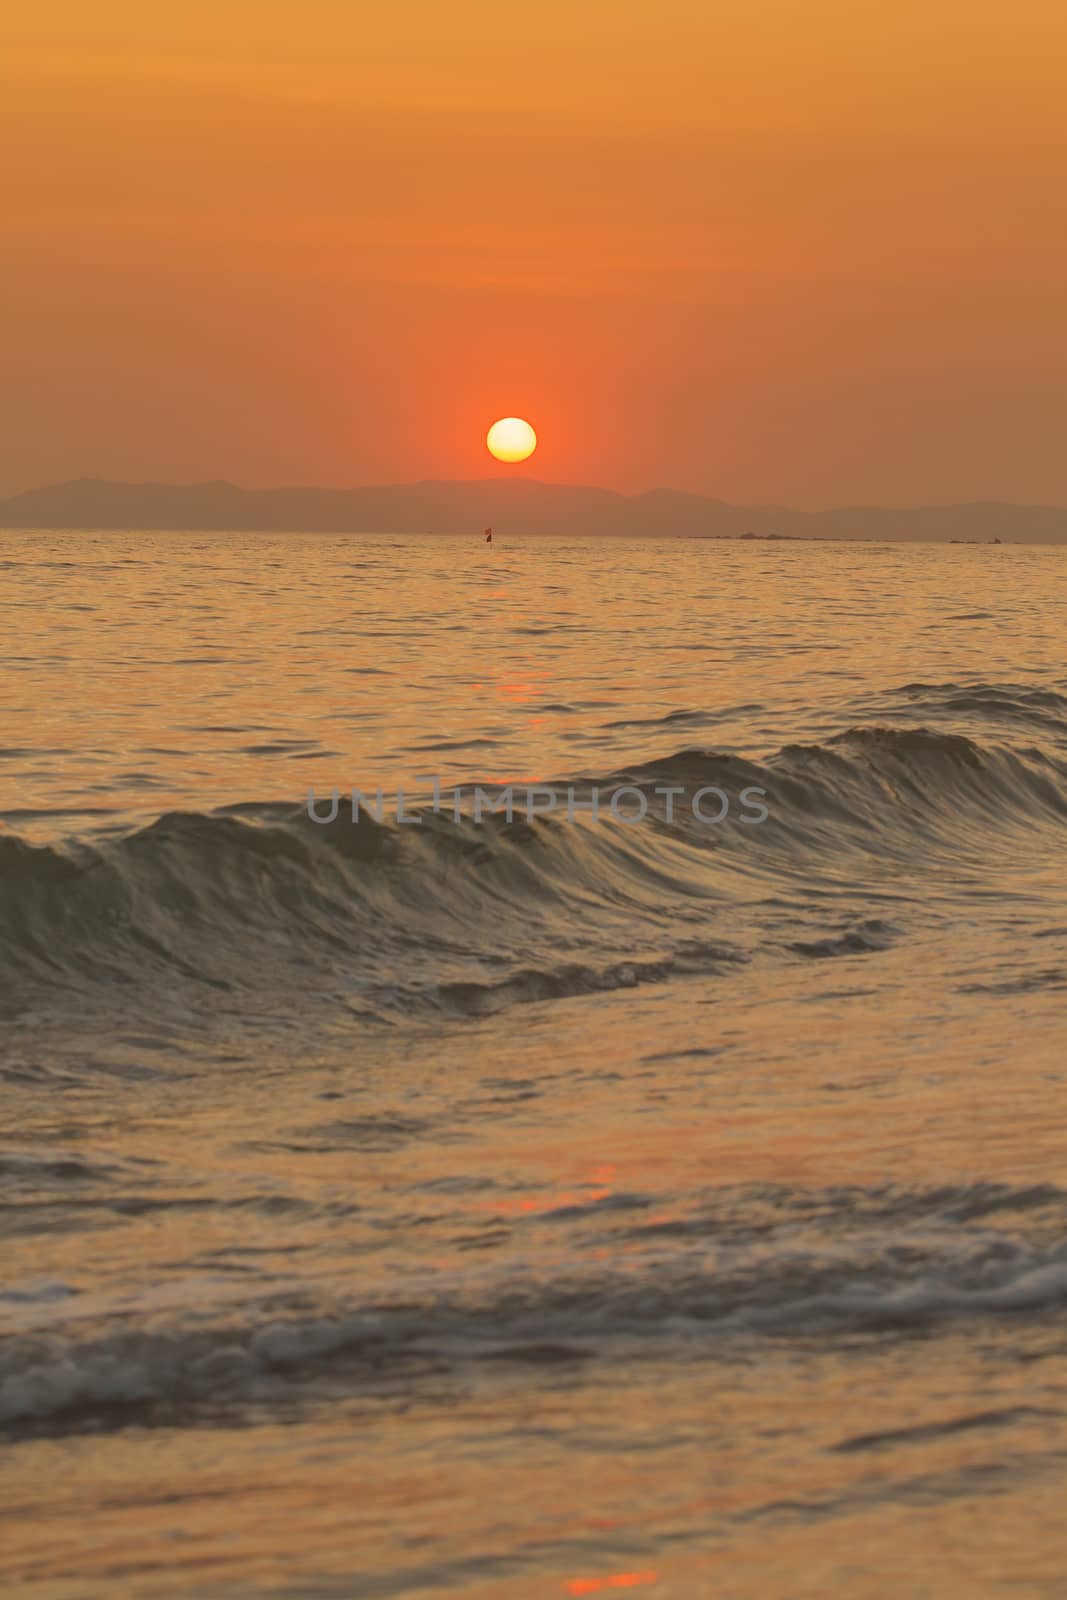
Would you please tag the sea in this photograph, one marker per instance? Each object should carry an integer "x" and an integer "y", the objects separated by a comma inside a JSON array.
[{"x": 622, "y": 1151}]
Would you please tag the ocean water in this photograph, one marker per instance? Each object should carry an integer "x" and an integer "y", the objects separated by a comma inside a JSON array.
[{"x": 566, "y": 1205}]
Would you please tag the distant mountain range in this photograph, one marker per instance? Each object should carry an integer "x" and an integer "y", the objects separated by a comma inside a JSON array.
[{"x": 515, "y": 506}]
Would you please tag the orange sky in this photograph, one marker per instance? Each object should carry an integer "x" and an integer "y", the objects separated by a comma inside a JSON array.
[{"x": 770, "y": 250}]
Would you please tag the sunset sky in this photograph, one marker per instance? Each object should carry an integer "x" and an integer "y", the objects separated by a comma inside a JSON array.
[{"x": 813, "y": 253}]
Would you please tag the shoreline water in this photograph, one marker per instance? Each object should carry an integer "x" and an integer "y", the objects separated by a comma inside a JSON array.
[{"x": 522, "y": 1206}]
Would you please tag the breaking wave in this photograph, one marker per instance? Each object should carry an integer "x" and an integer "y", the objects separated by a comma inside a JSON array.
[
  {"x": 465, "y": 917},
  {"x": 906, "y": 1261}
]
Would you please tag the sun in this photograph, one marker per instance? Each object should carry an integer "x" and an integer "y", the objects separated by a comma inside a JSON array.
[{"x": 511, "y": 439}]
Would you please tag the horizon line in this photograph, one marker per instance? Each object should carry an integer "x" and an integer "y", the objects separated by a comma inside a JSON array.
[{"x": 541, "y": 483}]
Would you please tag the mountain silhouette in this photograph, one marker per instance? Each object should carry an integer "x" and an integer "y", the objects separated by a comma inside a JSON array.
[{"x": 518, "y": 506}]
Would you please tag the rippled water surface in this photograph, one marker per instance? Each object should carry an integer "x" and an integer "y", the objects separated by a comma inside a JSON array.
[{"x": 562, "y": 1205}]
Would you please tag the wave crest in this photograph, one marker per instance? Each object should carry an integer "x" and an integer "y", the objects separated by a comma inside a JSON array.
[{"x": 466, "y": 917}]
